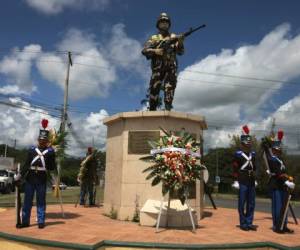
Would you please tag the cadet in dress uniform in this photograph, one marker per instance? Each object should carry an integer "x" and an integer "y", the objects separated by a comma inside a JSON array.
[
  {"x": 40, "y": 159},
  {"x": 279, "y": 184},
  {"x": 244, "y": 180}
]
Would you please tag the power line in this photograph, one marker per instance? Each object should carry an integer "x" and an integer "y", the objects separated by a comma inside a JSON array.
[
  {"x": 17, "y": 50},
  {"x": 224, "y": 84},
  {"x": 81, "y": 109},
  {"x": 240, "y": 77},
  {"x": 27, "y": 108},
  {"x": 34, "y": 103},
  {"x": 234, "y": 126},
  {"x": 192, "y": 71}
]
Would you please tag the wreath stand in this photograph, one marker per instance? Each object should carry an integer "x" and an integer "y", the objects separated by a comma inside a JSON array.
[{"x": 168, "y": 208}]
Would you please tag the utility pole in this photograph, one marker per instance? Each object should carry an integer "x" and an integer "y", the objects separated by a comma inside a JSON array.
[
  {"x": 273, "y": 127},
  {"x": 5, "y": 150},
  {"x": 66, "y": 93},
  {"x": 63, "y": 126},
  {"x": 217, "y": 160},
  {"x": 298, "y": 139}
]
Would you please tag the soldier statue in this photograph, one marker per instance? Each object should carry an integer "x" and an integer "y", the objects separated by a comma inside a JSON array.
[
  {"x": 40, "y": 160},
  {"x": 163, "y": 53}
]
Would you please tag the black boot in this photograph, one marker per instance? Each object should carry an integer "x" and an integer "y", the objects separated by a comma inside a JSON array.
[
  {"x": 244, "y": 228},
  {"x": 252, "y": 227},
  {"x": 287, "y": 230},
  {"x": 23, "y": 225}
]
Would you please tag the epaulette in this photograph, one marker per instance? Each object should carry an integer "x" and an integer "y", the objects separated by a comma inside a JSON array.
[
  {"x": 238, "y": 153},
  {"x": 32, "y": 148},
  {"x": 50, "y": 149},
  {"x": 274, "y": 158},
  {"x": 253, "y": 153}
]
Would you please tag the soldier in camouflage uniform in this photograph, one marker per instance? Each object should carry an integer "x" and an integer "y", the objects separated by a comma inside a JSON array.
[
  {"x": 163, "y": 63},
  {"x": 87, "y": 177}
]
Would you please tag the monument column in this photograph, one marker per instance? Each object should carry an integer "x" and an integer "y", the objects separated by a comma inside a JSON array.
[{"x": 126, "y": 189}]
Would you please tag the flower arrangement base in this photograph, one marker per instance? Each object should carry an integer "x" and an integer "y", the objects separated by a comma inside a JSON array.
[
  {"x": 168, "y": 210},
  {"x": 176, "y": 216}
]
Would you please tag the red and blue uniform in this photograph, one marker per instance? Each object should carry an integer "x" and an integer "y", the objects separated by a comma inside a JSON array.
[
  {"x": 244, "y": 172},
  {"x": 39, "y": 161}
]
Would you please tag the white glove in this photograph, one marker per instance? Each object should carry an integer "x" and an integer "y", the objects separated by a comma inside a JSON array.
[
  {"x": 290, "y": 184},
  {"x": 268, "y": 172},
  {"x": 17, "y": 177},
  {"x": 236, "y": 185},
  {"x": 256, "y": 184}
]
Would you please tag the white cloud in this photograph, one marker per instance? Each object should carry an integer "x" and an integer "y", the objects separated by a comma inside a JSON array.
[
  {"x": 276, "y": 56},
  {"x": 11, "y": 89},
  {"x": 17, "y": 67},
  {"x": 88, "y": 130},
  {"x": 97, "y": 64},
  {"x": 287, "y": 118},
  {"x": 126, "y": 51},
  {"x": 23, "y": 125},
  {"x": 222, "y": 99},
  {"x": 52, "y": 7},
  {"x": 91, "y": 74}
]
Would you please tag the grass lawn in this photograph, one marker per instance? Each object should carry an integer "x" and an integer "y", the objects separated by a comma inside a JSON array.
[{"x": 70, "y": 195}]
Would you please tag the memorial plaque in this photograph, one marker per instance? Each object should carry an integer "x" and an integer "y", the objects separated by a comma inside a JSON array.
[{"x": 138, "y": 141}]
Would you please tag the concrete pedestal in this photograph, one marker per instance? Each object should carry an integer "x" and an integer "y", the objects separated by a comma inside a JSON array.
[
  {"x": 178, "y": 214},
  {"x": 126, "y": 189}
]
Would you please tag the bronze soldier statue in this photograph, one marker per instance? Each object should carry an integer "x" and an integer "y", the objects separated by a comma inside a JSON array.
[{"x": 162, "y": 49}]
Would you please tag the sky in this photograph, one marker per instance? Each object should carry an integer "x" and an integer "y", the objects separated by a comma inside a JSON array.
[{"x": 243, "y": 68}]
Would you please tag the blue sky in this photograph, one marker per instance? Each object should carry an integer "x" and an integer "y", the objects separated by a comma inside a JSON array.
[{"x": 243, "y": 39}]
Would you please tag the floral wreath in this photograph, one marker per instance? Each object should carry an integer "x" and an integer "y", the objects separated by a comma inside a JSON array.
[{"x": 176, "y": 163}]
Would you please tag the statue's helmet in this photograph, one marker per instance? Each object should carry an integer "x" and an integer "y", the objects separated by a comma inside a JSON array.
[{"x": 163, "y": 17}]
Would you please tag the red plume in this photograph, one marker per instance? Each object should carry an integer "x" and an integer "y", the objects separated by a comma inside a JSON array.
[
  {"x": 246, "y": 129},
  {"x": 44, "y": 123},
  {"x": 280, "y": 134}
]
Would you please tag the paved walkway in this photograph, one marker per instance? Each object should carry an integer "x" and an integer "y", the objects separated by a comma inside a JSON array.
[{"x": 89, "y": 226}]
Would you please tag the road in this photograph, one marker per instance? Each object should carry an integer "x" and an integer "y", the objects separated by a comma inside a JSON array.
[{"x": 262, "y": 205}]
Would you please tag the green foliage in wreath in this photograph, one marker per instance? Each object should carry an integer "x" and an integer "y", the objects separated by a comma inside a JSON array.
[{"x": 176, "y": 163}]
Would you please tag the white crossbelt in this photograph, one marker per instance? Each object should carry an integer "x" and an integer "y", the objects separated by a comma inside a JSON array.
[
  {"x": 248, "y": 161},
  {"x": 281, "y": 163},
  {"x": 40, "y": 155}
]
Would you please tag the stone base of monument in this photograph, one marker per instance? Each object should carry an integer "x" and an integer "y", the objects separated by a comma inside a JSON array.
[
  {"x": 177, "y": 216},
  {"x": 126, "y": 187}
]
